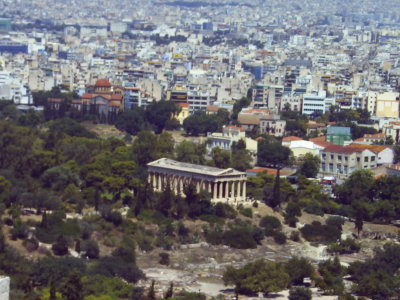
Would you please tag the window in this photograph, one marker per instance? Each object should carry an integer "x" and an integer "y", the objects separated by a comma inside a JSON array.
[
  {"x": 331, "y": 156},
  {"x": 372, "y": 158},
  {"x": 366, "y": 159},
  {"x": 323, "y": 155},
  {"x": 346, "y": 158},
  {"x": 358, "y": 159},
  {"x": 339, "y": 157},
  {"x": 330, "y": 167}
]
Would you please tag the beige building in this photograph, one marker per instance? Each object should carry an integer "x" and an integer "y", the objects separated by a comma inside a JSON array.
[
  {"x": 223, "y": 184},
  {"x": 272, "y": 125},
  {"x": 387, "y": 105},
  {"x": 392, "y": 130},
  {"x": 344, "y": 160}
]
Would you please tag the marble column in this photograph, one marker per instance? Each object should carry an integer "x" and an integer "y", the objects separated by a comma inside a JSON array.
[
  {"x": 233, "y": 183},
  {"x": 244, "y": 190},
  {"x": 198, "y": 187},
  {"x": 226, "y": 190},
  {"x": 239, "y": 195},
  {"x": 214, "y": 190},
  {"x": 220, "y": 190}
]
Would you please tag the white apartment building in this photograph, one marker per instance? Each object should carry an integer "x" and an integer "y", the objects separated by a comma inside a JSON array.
[{"x": 314, "y": 103}]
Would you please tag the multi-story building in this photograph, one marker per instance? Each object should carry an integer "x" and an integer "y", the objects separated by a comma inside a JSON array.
[
  {"x": 266, "y": 95},
  {"x": 272, "y": 125},
  {"x": 132, "y": 97},
  {"x": 199, "y": 98},
  {"x": 102, "y": 100},
  {"x": 344, "y": 160},
  {"x": 392, "y": 131},
  {"x": 229, "y": 135},
  {"x": 338, "y": 135},
  {"x": 387, "y": 105},
  {"x": 314, "y": 103}
]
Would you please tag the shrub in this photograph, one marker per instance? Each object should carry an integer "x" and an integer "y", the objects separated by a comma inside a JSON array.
[
  {"x": 240, "y": 236},
  {"x": 31, "y": 244},
  {"x": 270, "y": 225},
  {"x": 20, "y": 231},
  {"x": 60, "y": 247},
  {"x": 113, "y": 266},
  {"x": 164, "y": 258},
  {"x": 279, "y": 238},
  {"x": 316, "y": 232},
  {"x": 247, "y": 212},
  {"x": 295, "y": 236},
  {"x": 270, "y": 222},
  {"x": 112, "y": 216},
  {"x": 335, "y": 221},
  {"x": 224, "y": 210},
  {"x": 91, "y": 249},
  {"x": 212, "y": 219},
  {"x": 347, "y": 246},
  {"x": 300, "y": 293}
]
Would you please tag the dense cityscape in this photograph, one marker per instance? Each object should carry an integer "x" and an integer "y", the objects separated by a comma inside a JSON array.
[{"x": 193, "y": 150}]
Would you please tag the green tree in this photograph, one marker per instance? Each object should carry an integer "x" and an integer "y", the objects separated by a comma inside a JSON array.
[
  {"x": 60, "y": 247},
  {"x": 273, "y": 154},
  {"x": 131, "y": 121},
  {"x": 299, "y": 268},
  {"x": 70, "y": 127},
  {"x": 300, "y": 293},
  {"x": 259, "y": 276},
  {"x": 170, "y": 291},
  {"x": 5, "y": 189},
  {"x": 310, "y": 165},
  {"x": 159, "y": 113},
  {"x": 151, "y": 295},
  {"x": 2, "y": 242},
  {"x": 91, "y": 248},
  {"x": 292, "y": 211},
  {"x": 53, "y": 291},
  {"x": 190, "y": 152},
  {"x": 221, "y": 158},
  {"x": 239, "y": 105},
  {"x": 148, "y": 147},
  {"x": 241, "y": 158},
  {"x": 331, "y": 276},
  {"x": 72, "y": 288}
]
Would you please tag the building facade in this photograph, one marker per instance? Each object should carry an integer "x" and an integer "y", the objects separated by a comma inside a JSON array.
[
  {"x": 338, "y": 135},
  {"x": 344, "y": 160},
  {"x": 314, "y": 103},
  {"x": 272, "y": 125},
  {"x": 222, "y": 184}
]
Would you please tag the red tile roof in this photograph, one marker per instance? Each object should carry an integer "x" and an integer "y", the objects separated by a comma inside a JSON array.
[
  {"x": 323, "y": 143},
  {"x": 103, "y": 83},
  {"x": 291, "y": 138},
  {"x": 318, "y": 139},
  {"x": 342, "y": 149},
  {"x": 373, "y": 148},
  {"x": 269, "y": 171}
]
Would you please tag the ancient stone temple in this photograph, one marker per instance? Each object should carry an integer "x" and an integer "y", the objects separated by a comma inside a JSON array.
[{"x": 222, "y": 184}]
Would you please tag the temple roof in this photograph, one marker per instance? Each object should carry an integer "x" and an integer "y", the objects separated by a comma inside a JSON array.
[{"x": 193, "y": 168}]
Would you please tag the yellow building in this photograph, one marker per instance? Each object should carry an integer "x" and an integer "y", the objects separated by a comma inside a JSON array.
[{"x": 387, "y": 105}]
